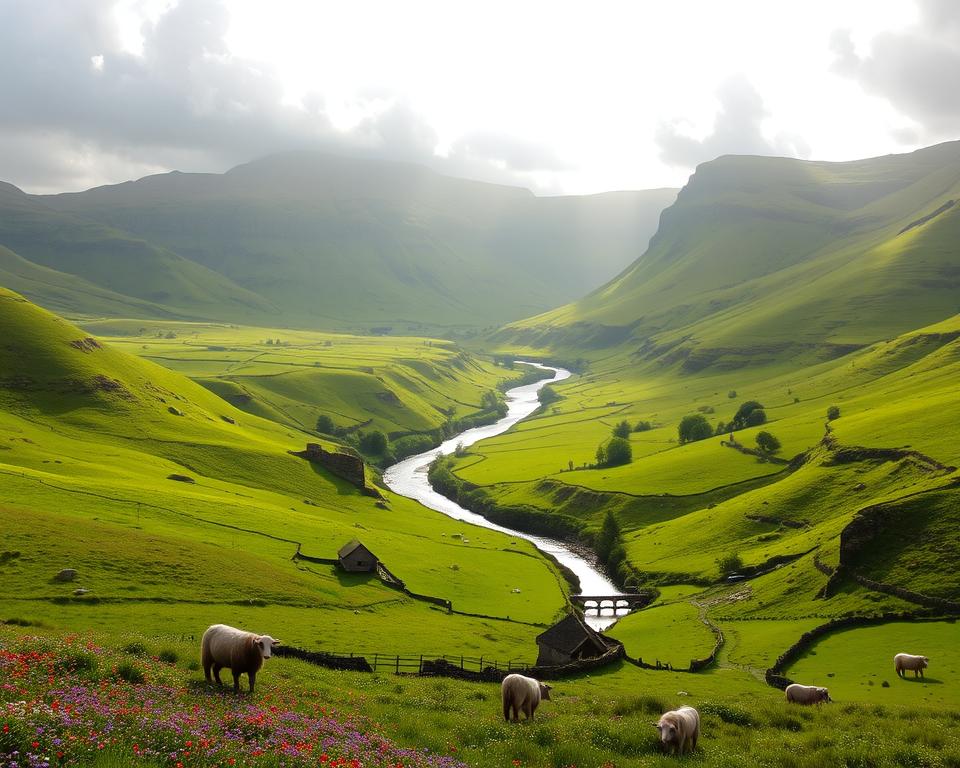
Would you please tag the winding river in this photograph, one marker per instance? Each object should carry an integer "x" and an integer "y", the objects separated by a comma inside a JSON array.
[{"x": 409, "y": 478}]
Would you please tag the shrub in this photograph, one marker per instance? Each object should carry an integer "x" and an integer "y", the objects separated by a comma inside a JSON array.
[
  {"x": 694, "y": 427},
  {"x": 325, "y": 425},
  {"x": 833, "y": 412},
  {"x": 373, "y": 442},
  {"x": 619, "y": 451},
  {"x": 547, "y": 395},
  {"x": 168, "y": 656},
  {"x": 130, "y": 673},
  {"x": 408, "y": 445},
  {"x": 135, "y": 649},
  {"x": 729, "y": 564},
  {"x": 749, "y": 414},
  {"x": 622, "y": 429},
  {"x": 643, "y": 426},
  {"x": 767, "y": 443},
  {"x": 732, "y": 394}
]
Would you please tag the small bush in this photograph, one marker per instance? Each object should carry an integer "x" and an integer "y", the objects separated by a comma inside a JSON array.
[
  {"x": 643, "y": 426},
  {"x": 168, "y": 656},
  {"x": 76, "y": 661},
  {"x": 135, "y": 648},
  {"x": 729, "y": 563},
  {"x": 732, "y": 715},
  {"x": 833, "y": 412},
  {"x": 129, "y": 672}
]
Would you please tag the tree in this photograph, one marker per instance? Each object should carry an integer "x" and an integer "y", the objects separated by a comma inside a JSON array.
[
  {"x": 833, "y": 412},
  {"x": 622, "y": 429},
  {"x": 547, "y": 395},
  {"x": 325, "y": 425},
  {"x": 373, "y": 442},
  {"x": 643, "y": 426},
  {"x": 619, "y": 451},
  {"x": 721, "y": 428},
  {"x": 601, "y": 455},
  {"x": 694, "y": 427},
  {"x": 729, "y": 564},
  {"x": 608, "y": 537},
  {"x": 749, "y": 414},
  {"x": 767, "y": 443}
]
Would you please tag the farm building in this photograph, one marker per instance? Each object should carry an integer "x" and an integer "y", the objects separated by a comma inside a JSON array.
[
  {"x": 571, "y": 639},
  {"x": 354, "y": 556}
]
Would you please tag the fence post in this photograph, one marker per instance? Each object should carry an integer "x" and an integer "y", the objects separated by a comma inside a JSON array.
[
  {"x": 398, "y": 664},
  {"x": 481, "y": 664},
  {"x": 461, "y": 662},
  {"x": 421, "y": 664},
  {"x": 375, "y": 662}
]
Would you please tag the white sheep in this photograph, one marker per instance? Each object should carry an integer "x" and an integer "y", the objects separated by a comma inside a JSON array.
[
  {"x": 520, "y": 693},
  {"x": 239, "y": 651},
  {"x": 806, "y": 694},
  {"x": 678, "y": 728},
  {"x": 904, "y": 661}
]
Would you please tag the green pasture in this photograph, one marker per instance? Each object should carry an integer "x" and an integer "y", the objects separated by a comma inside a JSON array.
[
  {"x": 856, "y": 663},
  {"x": 396, "y": 384},
  {"x": 670, "y": 634},
  {"x": 598, "y": 719}
]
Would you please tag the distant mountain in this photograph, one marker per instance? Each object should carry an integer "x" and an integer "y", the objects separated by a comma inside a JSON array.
[
  {"x": 74, "y": 264},
  {"x": 339, "y": 242},
  {"x": 761, "y": 257}
]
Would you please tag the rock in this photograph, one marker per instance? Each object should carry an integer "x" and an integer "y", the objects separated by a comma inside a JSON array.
[
  {"x": 80, "y": 591},
  {"x": 67, "y": 574},
  {"x": 228, "y": 419},
  {"x": 175, "y": 411}
]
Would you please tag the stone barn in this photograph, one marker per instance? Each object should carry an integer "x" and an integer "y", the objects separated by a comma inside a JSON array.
[
  {"x": 355, "y": 557},
  {"x": 571, "y": 639}
]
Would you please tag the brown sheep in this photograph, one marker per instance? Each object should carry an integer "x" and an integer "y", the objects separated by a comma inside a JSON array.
[
  {"x": 522, "y": 693},
  {"x": 241, "y": 652},
  {"x": 678, "y": 728},
  {"x": 905, "y": 661}
]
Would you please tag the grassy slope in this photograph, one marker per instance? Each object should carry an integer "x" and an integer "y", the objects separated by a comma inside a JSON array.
[
  {"x": 348, "y": 244},
  {"x": 396, "y": 384},
  {"x": 130, "y": 275},
  {"x": 762, "y": 254},
  {"x": 88, "y": 442}
]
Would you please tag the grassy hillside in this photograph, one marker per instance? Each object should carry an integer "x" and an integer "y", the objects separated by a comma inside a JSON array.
[
  {"x": 179, "y": 510},
  {"x": 414, "y": 390},
  {"x": 353, "y": 244},
  {"x": 764, "y": 258},
  {"x": 96, "y": 269}
]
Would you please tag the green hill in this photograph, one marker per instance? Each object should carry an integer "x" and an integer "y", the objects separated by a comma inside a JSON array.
[
  {"x": 765, "y": 257},
  {"x": 346, "y": 243},
  {"x": 179, "y": 510},
  {"x": 104, "y": 270}
]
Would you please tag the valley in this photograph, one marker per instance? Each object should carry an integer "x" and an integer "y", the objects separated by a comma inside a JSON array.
[{"x": 153, "y": 441}]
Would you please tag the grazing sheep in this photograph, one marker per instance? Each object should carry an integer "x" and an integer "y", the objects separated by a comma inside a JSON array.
[
  {"x": 521, "y": 693},
  {"x": 678, "y": 728},
  {"x": 239, "y": 651},
  {"x": 904, "y": 661},
  {"x": 806, "y": 694}
]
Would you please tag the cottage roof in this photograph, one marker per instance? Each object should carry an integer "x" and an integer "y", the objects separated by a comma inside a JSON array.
[
  {"x": 570, "y": 634},
  {"x": 350, "y": 547}
]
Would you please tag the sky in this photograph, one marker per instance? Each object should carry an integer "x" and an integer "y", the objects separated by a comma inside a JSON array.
[{"x": 561, "y": 97}]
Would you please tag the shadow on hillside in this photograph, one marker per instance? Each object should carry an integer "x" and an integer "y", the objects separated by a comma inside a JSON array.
[
  {"x": 354, "y": 579},
  {"x": 343, "y": 487},
  {"x": 912, "y": 679}
]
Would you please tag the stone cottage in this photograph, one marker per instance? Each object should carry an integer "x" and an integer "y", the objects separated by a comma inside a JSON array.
[
  {"x": 571, "y": 639},
  {"x": 355, "y": 557}
]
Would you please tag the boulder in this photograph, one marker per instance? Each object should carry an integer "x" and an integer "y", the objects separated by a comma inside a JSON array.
[{"x": 67, "y": 574}]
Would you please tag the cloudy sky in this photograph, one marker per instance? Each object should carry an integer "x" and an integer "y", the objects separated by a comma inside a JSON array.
[{"x": 562, "y": 97}]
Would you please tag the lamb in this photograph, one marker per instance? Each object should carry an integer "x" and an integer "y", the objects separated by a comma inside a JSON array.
[
  {"x": 904, "y": 661},
  {"x": 521, "y": 693},
  {"x": 806, "y": 694},
  {"x": 239, "y": 651},
  {"x": 678, "y": 728}
]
